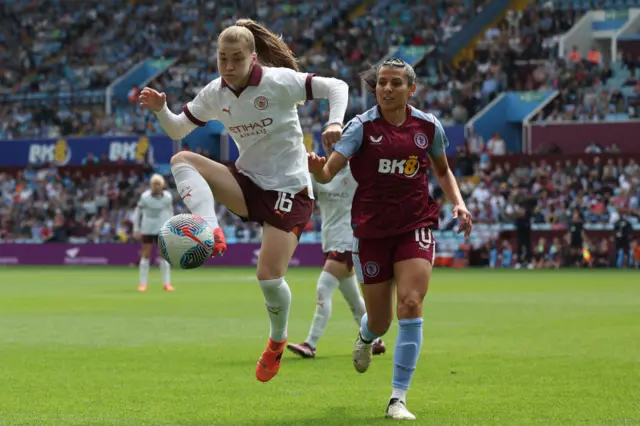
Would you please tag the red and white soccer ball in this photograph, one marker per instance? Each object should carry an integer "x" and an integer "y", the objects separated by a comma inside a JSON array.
[{"x": 186, "y": 240}]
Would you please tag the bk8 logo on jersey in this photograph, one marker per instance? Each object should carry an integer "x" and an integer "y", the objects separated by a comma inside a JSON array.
[
  {"x": 407, "y": 168},
  {"x": 186, "y": 240}
]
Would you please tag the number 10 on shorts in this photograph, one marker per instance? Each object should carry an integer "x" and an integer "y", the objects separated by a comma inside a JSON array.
[
  {"x": 424, "y": 238},
  {"x": 284, "y": 203}
]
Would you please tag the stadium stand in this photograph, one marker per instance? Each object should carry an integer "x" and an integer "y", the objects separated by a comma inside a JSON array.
[
  {"x": 53, "y": 86},
  {"x": 46, "y": 205},
  {"x": 79, "y": 51}
]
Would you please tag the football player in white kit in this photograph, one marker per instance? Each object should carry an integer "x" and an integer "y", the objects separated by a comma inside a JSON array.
[
  {"x": 154, "y": 208},
  {"x": 334, "y": 201},
  {"x": 256, "y": 99}
]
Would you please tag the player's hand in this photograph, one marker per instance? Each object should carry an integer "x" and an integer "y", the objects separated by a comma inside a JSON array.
[
  {"x": 137, "y": 236},
  {"x": 466, "y": 221},
  {"x": 331, "y": 136},
  {"x": 151, "y": 99},
  {"x": 316, "y": 163}
]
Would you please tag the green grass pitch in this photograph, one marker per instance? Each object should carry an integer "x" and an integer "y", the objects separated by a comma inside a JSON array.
[{"x": 80, "y": 346}]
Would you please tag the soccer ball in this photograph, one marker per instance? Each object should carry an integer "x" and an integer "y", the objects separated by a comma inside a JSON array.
[{"x": 186, "y": 240}]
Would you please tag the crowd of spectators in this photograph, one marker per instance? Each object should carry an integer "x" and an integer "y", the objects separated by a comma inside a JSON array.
[
  {"x": 50, "y": 47},
  {"x": 82, "y": 48},
  {"x": 48, "y": 206},
  {"x": 552, "y": 196},
  {"x": 45, "y": 205},
  {"x": 556, "y": 252},
  {"x": 598, "y": 189}
]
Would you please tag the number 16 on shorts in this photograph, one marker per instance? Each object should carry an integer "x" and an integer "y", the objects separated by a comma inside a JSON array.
[{"x": 284, "y": 203}]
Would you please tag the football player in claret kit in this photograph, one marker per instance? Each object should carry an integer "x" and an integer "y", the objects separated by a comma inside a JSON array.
[
  {"x": 256, "y": 99},
  {"x": 334, "y": 200},
  {"x": 389, "y": 148},
  {"x": 154, "y": 208}
]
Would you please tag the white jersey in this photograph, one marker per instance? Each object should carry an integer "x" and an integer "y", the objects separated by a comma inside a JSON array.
[
  {"x": 263, "y": 121},
  {"x": 334, "y": 201},
  {"x": 152, "y": 212}
]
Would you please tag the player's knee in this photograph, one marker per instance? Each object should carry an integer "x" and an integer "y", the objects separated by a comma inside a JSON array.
[
  {"x": 410, "y": 304},
  {"x": 379, "y": 324},
  {"x": 337, "y": 269},
  {"x": 324, "y": 292},
  {"x": 145, "y": 252},
  {"x": 181, "y": 157},
  {"x": 268, "y": 273}
]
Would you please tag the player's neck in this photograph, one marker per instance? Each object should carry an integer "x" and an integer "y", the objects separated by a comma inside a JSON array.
[
  {"x": 242, "y": 85},
  {"x": 395, "y": 117}
]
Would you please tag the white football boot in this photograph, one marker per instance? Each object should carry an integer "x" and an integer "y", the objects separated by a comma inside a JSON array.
[
  {"x": 397, "y": 410},
  {"x": 362, "y": 354}
]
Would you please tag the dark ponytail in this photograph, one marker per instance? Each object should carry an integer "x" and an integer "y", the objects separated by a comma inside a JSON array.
[{"x": 370, "y": 76}]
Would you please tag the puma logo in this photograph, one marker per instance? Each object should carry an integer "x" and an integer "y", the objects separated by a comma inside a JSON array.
[
  {"x": 375, "y": 141},
  {"x": 274, "y": 310},
  {"x": 227, "y": 110},
  {"x": 185, "y": 193}
]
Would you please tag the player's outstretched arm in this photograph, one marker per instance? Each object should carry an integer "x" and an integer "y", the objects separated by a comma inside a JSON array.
[
  {"x": 301, "y": 87},
  {"x": 176, "y": 126},
  {"x": 449, "y": 186},
  {"x": 195, "y": 114},
  {"x": 446, "y": 179},
  {"x": 324, "y": 171},
  {"x": 337, "y": 93},
  {"x": 348, "y": 145}
]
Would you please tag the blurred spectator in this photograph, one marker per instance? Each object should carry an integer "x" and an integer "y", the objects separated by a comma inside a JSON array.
[{"x": 93, "y": 43}]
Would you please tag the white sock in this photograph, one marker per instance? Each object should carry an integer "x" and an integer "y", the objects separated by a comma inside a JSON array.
[
  {"x": 144, "y": 270},
  {"x": 277, "y": 299},
  {"x": 351, "y": 293},
  {"x": 401, "y": 394},
  {"x": 165, "y": 270},
  {"x": 195, "y": 192},
  {"x": 327, "y": 284}
]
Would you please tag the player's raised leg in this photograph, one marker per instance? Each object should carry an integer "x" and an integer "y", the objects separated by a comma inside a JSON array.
[
  {"x": 349, "y": 289},
  {"x": 143, "y": 267},
  {"x": 412, "y": 280},
  {"x": 198, "y": 179},
  {"x": 275, "y": 253}
]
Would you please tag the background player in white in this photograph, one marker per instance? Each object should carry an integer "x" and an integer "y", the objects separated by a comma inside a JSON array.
[
  {"x": 154, "y": 208},
  {"x": 334, "y": 200},
  {"x": 256, "y": 99}
]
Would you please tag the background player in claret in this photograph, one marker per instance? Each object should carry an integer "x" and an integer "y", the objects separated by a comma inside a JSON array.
[
  {"x": 154, "y": 208},
  {"x": 334, "y": 201},
  {"x": 256, "y": 99},
  {"x": 389, "y": 148}
]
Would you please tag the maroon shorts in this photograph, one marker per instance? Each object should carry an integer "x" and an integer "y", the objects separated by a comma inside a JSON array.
[
  {"x": 149, "y": 239},
  {"x": 282, "y": 210},
  {"x": 340, "y": 256},
  {"x": 374, "y": 258}
]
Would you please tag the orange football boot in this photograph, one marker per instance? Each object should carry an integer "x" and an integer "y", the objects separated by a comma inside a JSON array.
[
  {"x": 168, "y": 287},
  {"x": 219, "y": 242},
  {"x": 269, "y": 363}
]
